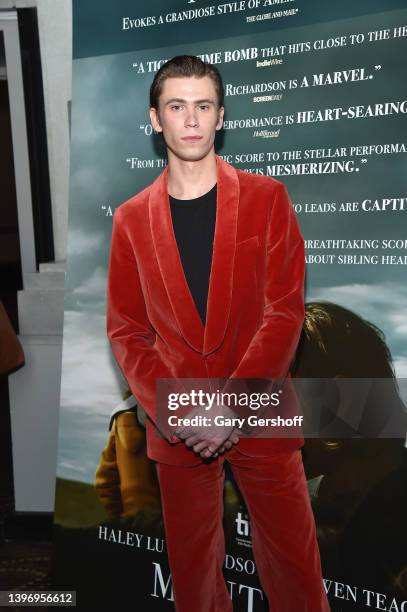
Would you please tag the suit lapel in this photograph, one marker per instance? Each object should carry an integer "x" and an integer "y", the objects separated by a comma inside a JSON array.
[
  {"x": 203, "y": 339},
  {"x": 224, "y": 246}
]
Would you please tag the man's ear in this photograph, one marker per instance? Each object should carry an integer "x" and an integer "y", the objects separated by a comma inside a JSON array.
[
  {"x": 155, "y": 119},
  {"x": 221, "y": 113}
]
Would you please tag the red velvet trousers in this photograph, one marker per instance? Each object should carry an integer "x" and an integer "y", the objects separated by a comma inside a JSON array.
[{"x": 283, "y": 532}]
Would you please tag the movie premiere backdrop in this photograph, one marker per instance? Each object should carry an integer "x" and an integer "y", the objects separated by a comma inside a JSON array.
[{"x": 316, "y": 96}]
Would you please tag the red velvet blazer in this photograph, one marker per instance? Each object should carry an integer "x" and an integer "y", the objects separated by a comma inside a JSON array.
[{"x": 255, "y": 307}]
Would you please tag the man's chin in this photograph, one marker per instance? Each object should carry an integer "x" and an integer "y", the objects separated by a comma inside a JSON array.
[{"x": 191, "y": 155}]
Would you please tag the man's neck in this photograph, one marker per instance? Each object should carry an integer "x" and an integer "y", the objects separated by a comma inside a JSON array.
[{"x": 190, "y": 179}]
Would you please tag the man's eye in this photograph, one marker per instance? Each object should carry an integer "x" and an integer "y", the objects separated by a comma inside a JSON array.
[
  {"x": 204, "y": 106},
  {"x": 176, "y": 106}
]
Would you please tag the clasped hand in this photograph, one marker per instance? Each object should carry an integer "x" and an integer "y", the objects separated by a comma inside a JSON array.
[{"x": 209, "y": 440}]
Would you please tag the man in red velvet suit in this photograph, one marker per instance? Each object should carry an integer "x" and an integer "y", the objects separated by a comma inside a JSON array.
[{"x": 206, "y": 281}]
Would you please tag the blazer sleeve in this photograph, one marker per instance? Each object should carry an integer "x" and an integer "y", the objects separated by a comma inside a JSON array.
[
  {"x": 129, "y": 330},
  {"x": 272, "y": 348}
]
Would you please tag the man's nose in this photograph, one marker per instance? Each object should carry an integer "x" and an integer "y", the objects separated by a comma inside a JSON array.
[{"x": 191, "y": 117}]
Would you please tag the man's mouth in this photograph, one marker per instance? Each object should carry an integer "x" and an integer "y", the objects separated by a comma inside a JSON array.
[{"x": 191, "y": 138}]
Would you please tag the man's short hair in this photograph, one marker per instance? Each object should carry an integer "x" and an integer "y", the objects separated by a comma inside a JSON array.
[{"x": 185, "y": 66}]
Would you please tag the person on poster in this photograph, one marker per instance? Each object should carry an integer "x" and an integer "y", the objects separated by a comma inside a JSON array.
[{"x": 206, "y": 280}]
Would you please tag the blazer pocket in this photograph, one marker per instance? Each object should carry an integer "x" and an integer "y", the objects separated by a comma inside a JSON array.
[
  {"x": 247, "y": 243},
  {"x": 245, "y": 275},
  {"x": 246, "y": 252}
]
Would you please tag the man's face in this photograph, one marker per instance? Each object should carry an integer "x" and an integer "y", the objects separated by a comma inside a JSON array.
[{"x": 188, "y": 116}]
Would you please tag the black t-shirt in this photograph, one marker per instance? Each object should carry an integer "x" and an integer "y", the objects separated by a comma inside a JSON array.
[{"x": 194, "y": 228}]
